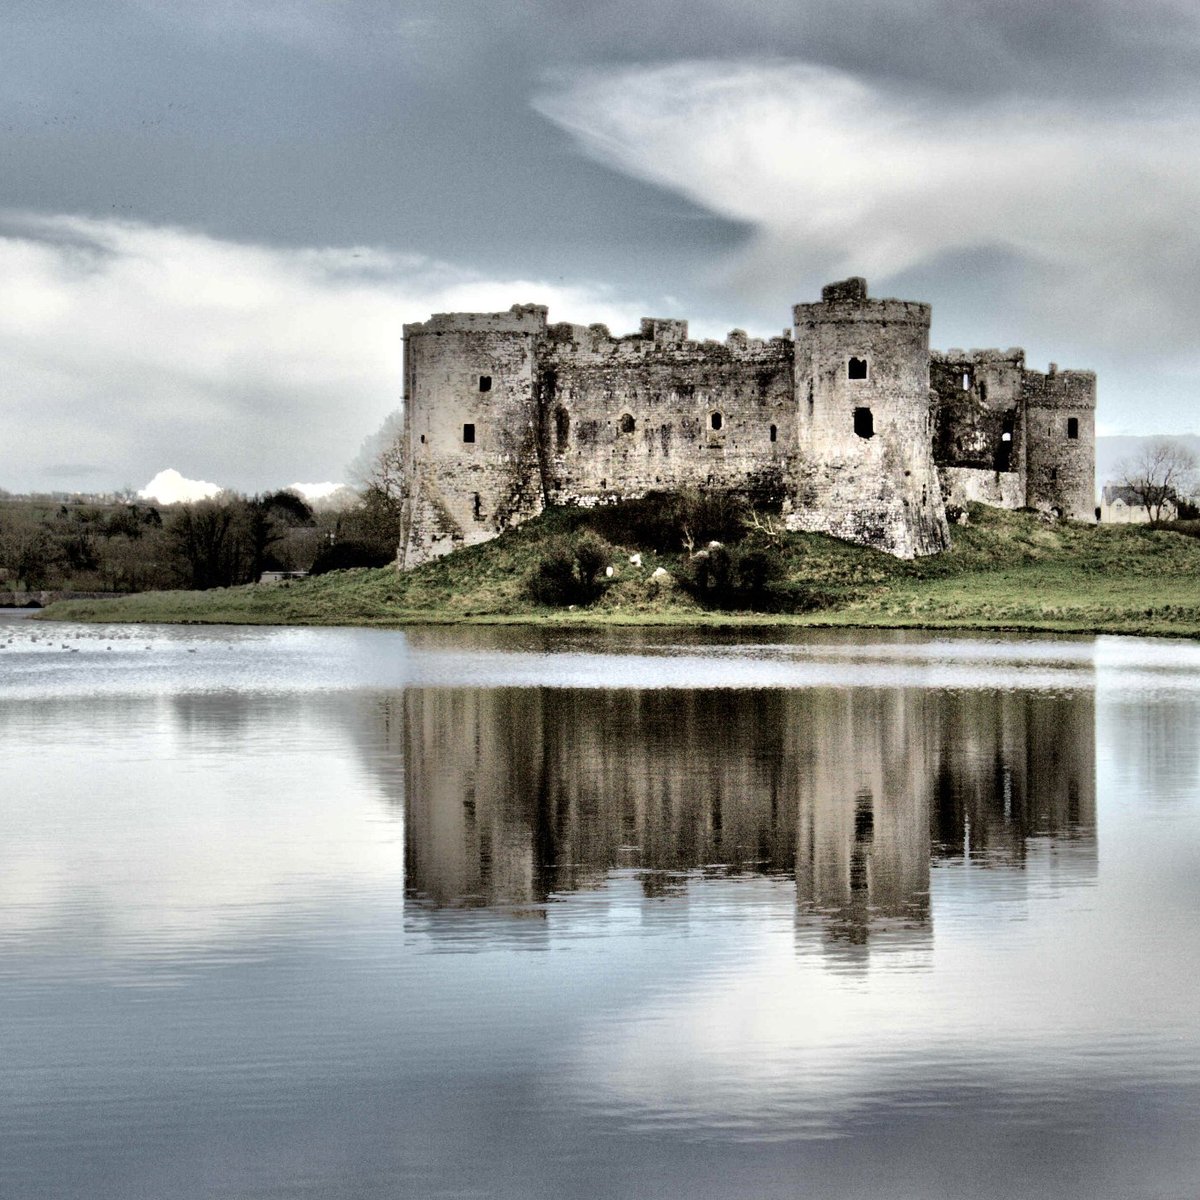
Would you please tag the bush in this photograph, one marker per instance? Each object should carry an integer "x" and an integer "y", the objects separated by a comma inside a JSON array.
[
  {"x": 571, "y": 571},
  {"x": 743, "y": 576},
  {"x": 670, "y": 521},
  {"x": 345, "y": 556}
]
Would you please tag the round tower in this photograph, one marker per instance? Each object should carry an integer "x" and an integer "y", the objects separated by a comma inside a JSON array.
[
  {"x": 1060, "y": 412},
  {"x": 864, "y": 433},
  {"x": 471, "y": 463}
]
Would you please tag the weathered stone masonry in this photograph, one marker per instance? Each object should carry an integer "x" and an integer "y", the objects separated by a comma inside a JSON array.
[{"x": 850, "y": 426}]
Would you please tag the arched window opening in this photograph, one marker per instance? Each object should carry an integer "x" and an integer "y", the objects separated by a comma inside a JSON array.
[
  {"x": 864, "y": 423},
  {"x": 485, "y": 383},
  {"x": 715, "y": 421},
  {"x": 856, "y": 368},
  {"x": 966, "y": 381},
  {"x": 628, "y": 424}
]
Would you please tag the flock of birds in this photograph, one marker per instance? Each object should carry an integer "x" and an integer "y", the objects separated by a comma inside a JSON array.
[{"x": 48, "y": 640}]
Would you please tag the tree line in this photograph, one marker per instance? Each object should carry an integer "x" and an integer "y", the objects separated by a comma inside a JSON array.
[{"x": 130, "y": 545}]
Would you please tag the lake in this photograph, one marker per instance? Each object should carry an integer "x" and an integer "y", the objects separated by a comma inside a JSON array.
[{"x": 529, "y": 913}]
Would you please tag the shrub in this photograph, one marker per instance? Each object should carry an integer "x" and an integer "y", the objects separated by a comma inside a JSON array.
[
  {"x": 743, "y": 576},
  {"x": 570, "y": 571},
  {"x": 670, "y": 521},
  {"x": 344, "y": 556}
]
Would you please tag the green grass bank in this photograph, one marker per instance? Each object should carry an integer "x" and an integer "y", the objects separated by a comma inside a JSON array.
[{"x": 1006, "y": 571}]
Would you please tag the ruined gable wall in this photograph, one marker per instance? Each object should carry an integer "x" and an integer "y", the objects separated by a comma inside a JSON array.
[
  {"x": 627, "y": 416},
  {"x": 872, "y": 482},
  {"x": 979, "y": 427},
  {"x": 979, "y": 400},
  {"x": 1061, "y": 468},
  {"x": 461, "y": 492}
]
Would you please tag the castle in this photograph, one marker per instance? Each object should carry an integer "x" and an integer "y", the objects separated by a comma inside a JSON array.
[{"x": 848, "y": 424}]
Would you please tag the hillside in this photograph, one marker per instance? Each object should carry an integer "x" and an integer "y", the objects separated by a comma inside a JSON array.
[{"x": 1006, "y": 570}]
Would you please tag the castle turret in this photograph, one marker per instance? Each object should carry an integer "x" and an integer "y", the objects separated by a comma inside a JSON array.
[
  {"x": 1060, "y": 412},
  {"x": 866, "y": 471},
  {"x": 470, "y": 438}
]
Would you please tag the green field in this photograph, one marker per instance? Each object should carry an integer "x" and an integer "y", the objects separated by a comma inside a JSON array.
[{"x": 1011, "y": 571}]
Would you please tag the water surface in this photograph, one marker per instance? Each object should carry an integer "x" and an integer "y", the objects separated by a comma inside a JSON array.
[{"x": 349, "y": 913}]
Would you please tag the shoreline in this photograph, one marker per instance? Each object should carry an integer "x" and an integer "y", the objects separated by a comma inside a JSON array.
[{"x": 1007, "y": 572}]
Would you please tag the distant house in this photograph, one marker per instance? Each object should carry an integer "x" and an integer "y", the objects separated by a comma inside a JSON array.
[{"x": 1121, "y": 505}]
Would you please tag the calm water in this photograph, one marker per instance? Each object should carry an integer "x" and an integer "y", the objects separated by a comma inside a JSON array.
[{"x": 341, "y": 913}]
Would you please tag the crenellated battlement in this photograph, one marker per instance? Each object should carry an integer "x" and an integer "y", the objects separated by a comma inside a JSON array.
[
  {"x": 521, "y": 318},
  {"x": 1013, "y": 356}
]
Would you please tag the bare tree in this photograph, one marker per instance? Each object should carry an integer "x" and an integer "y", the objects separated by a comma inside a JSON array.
[
  {"x": 379, "y": 464},
  {"x": 1160, "y": 474}
]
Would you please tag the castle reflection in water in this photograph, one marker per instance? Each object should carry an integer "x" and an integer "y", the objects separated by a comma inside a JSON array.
[{"x": 517, "y": 796}]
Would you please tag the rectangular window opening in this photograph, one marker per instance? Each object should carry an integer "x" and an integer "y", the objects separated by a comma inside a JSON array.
[
  {"x": 1073, "y": 427},
  {"x": 468, "y": 432},
  {"x": 864, "y": 423},
  {"x": 856, "y": 368},
  {"x": 774, "y": 433},
  {"x": 485, "y": 383}
]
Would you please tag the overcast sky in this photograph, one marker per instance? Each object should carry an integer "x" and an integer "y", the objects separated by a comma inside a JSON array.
[{"x": 215, "y": 216}]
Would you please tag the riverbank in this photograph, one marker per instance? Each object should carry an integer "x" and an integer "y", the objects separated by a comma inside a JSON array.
[{"x": 1005, "y": 571}]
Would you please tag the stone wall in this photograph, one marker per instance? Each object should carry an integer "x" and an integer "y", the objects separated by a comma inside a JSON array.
[
  {"x": 971, "y": 485},
  {"x": 656, "y": 412},
  {"x": 980, "y": 409}
]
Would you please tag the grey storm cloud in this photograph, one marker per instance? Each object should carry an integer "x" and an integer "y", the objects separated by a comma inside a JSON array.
[{"x": 1027, "y": 167}]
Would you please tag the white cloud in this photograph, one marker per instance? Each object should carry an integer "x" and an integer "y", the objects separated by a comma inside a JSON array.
[
  {"x": 126, "y": 345},
  {"x": 841, "y": 176},
  {"x": 317, "y": 491},
  {"x": 170, "y": 487}
]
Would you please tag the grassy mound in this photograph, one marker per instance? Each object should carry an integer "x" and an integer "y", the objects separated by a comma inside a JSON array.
[{"x": 1005, "y": 571}]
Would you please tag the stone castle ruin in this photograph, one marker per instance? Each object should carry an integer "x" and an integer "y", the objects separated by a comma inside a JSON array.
[{"x": 847, "y": 424}]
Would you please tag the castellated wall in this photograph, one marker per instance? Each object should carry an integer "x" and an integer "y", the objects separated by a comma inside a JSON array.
[
  {"x": 656, "y": 412},
  {"x": 851, "y": 426},
  {"x": 865, "y": 470}
]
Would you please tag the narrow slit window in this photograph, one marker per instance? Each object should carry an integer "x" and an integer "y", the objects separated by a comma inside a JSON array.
[
  {"x": 715, "y": 421},
  {"x": 485, "y": 383},
  {"x": 856, "y": 368},
  {"x": 966, "y": 382},
  {"x": 562, "y": 428},
  {"x": 864, "y": 423},
  {"x": 478, "y": 508},
  {"x": 468, "y": 432},
  {"x": 774, "y": 433},
  {"x": 1073, "y": 427}
]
